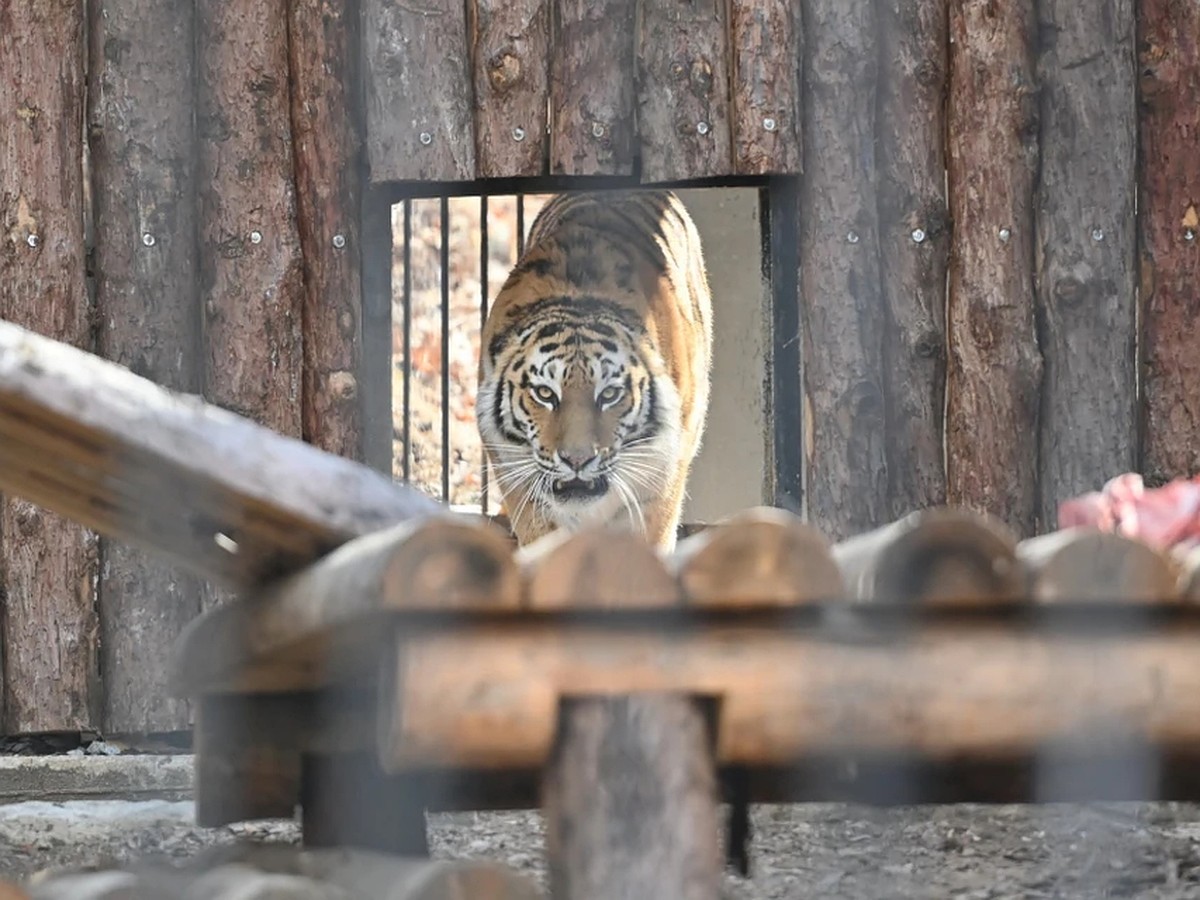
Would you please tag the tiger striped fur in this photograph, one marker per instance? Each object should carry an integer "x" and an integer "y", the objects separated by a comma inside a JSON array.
[{"x": 594, "y": 367}]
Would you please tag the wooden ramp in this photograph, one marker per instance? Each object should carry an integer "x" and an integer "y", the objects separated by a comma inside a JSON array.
[{"x": 386, "y": 657}]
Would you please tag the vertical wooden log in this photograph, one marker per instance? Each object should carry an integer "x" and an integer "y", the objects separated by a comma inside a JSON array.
[
  {"x": 49, "y": 564},
  {"x": 683, "y": 90},
  {"x": 323, "y": 51},
  {"x": 994, "y": 367},
  {"x": 842, "y": 305},
  {"x": 510, "y": 61},
  {"x": 142, "y": 141},
  {"x": 1169, "y": 215},
  {"x": 592, "y": 88},
  {"x": 250, "y": 267},
  {"x": 630, "y": 801},
  {"x": 418, "y": 91},
  {"x": 1086, "y": 236},
  {"x": 767, "y": 49},
  {"x": 914, "y": 237}
]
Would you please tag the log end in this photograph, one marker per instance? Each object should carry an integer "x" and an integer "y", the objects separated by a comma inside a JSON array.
[
  {"x": 453, "y": 562},
  {"x": 1087, "y": 565},
  {"x": 761, "y": 557},
  {"x": 598, "y": 568}
]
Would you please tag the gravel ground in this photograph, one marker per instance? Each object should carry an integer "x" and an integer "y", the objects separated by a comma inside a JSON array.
[{"x": 827, "y": 851}]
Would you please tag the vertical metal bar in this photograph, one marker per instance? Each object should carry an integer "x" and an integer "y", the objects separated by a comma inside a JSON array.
[
  {"x": 483, "y": 312},
  {"x": 785, "y": 409},
  {"x": 520, "y": 225},
  {"x": 408, "y": 370},
  {"x": 445, "y": 267},
  {"x": 375, "y": 367}
]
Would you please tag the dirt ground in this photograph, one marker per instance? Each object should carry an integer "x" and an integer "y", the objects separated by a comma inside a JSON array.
[{"x": 827, "y": 851}]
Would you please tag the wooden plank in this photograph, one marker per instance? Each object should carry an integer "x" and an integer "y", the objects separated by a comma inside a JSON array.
[
  {"x": 758, "y": 558},
  {"x": 630, "y": 801},
  {"x": 309, "y": 628},
  {"x": 238, "y": 778},
  {"x": 323, "y": 64},
  {"x": 347, "y": 801},
  {"x": 934, "y": 693},
  {"x": 1169, "y": 233},
  {"x": 914, "y": 238},
  {"x": 1086, "y": 235},
  {"x": 842, "y": 305},
  {"x": 683, "y": 116},
  {"x": 597, "y": 568},
  {"x": 510, "y": 62},
  {"x": 592, "y": 128},
  {"x": 49, "y": 565},
  {"x": 994, "y": 368},
  {"x": 766, "y": 49},
  {"x": 933, "y": 557},
  {"x": 1083, "y": 565},
  {"x": 418, "y": 91},
  {"x": 142, "y": 143},
  {"x": 90, "y": 439}
]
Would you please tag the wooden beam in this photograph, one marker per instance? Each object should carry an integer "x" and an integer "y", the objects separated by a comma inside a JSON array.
[
  {"x": 965, "y": 691},
  {"x": 327, "y": 621},
  {"x": 766, "y": 54},
  {"x": 630, "y": 801},
  {"x": 760, "y": 557},
  {"x": 933, "y": 557},
  {"x": 1082, "y": 565},
  {"x": 230, "y": 500}
]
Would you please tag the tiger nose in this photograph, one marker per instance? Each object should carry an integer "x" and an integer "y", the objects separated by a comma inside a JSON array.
[{"x": 577, "y": 457}]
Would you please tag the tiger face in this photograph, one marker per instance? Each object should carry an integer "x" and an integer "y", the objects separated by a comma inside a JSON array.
[
  {"x": 593, "y": 380},
  {"x": 580, "y": 426}
]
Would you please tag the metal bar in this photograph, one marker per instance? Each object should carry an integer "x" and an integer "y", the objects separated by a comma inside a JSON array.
[
  {"x": 407, "y": 301},
  {"x": 483, "y": 312},
  {"x": 445, "y": 267},
  {"x": 520, "y": 225},
  {"x": 548, "y": 184},
  {"x": 785, "y": 407}
]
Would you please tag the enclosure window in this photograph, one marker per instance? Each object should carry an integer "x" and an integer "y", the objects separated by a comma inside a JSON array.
[{"x": 450, "y": 256}]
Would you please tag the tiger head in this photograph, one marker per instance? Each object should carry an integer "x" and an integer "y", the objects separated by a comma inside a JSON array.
[{"x": 578, "y": 417}]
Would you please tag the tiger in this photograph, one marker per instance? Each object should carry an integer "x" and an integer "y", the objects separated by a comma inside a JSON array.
[{"x": 595, "y": 367}]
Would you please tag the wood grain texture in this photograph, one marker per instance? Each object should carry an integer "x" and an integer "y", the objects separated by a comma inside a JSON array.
[
  {"x": 326, "y": 131},
  {"x": 994, "y": 368},
  {"x": 683, "y": 116},
  {"x": 299, "y": 632},
  {"x": 510, "y": 61},
  {"x": 592, "y": 128},
  {"x": 1086, "y": 249},
  {"x": 842, "y": 304},
  {"x": 970, "y": 690},
  {"x": 48, "y": 622},
  {"x": 914, "y": 239},
  {"x": 934, "y": 557},
  {"x": 418, "y": 91},
  {"x": 1169, "y": 234},
  {"x": 142, "y": 143},
  {"x": 630, "y": 801},
  {"x": 767, "y": 52},
  {"x": 1080, "y": 565},
  {"x": 757, "y": 558},
  {"x": 91, "y": 440}
]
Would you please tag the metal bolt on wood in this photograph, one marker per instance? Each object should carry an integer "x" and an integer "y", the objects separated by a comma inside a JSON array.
[
  {"x": 148, "y": 239},
  {"x": 597, "y": 130},
  {"x": 518, "y": 134},
  {"x": 1097, "y": 234},
  {"x": 918, "y": 236},
  {"x": 702, "y": 128},
  {"x": 33, "y": 240},
  {"x": 852, "y": 237},
  {"x": 1189, "y": 234},
  {"x": 425, "y": 138},
  {"x": 339, "y": 241},
  {"x": 769, "y": 124},
  {"x": 1005, "y": 234}
]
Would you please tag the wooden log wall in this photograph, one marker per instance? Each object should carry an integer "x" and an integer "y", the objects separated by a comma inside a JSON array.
[{"x": 994, "y": 147}]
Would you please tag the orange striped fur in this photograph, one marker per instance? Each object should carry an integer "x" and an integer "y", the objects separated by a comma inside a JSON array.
[{"x": 594, "y": 367}]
